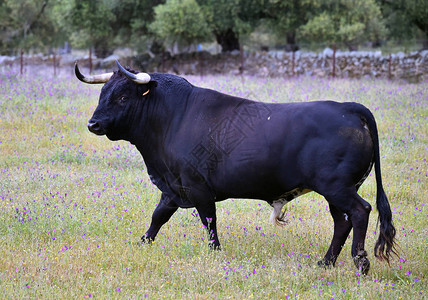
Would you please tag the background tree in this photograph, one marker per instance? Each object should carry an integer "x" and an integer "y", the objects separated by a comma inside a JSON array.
[
  {"x": 26, "y": 25},
  {"x": 130, "y": 26},
  {"x": 345, "y": 21},
  {"x": 403, "y": 16},
  {"x": 286, "y": 17},
  {"x": 105, "y": 25},
  {"x": 181, "y": 22},
  {"x": 230, "y": 19},
  {"x": 89, "y": 24}
]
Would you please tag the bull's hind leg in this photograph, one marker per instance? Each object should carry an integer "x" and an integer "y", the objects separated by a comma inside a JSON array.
[
  {"x": 360, "y": 221},
  {"x": 342, "y": 227},
  {"x": 358, "y": 211}
]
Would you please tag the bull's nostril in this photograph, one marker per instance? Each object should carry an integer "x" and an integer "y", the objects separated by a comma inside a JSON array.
[{"x": 95, "y": 127}]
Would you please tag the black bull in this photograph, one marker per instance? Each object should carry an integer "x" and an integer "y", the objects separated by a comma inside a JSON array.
[{"x": 201, "y": 146}]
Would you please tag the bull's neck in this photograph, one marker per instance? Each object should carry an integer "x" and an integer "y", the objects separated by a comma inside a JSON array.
[{"x": 153, "y": 124}]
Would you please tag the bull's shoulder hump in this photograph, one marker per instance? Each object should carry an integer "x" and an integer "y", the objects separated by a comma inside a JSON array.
[{"x": 169, "y": 81}]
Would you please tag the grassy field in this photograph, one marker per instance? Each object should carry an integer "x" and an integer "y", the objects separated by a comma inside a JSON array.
[{"x": 73, "y": 205}]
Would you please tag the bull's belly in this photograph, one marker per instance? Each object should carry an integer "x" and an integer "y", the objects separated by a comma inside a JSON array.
[
  {"x": 249, "y": 186},
  {"x": 272, "y": 196}
]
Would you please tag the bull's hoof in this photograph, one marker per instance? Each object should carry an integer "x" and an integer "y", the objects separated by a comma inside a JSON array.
[
  {"x": 362, "y": 262},
  {"x": 144, "y": 240},
  {"x": 324, "y": 264},
  {"x": 214, "y": 247}
]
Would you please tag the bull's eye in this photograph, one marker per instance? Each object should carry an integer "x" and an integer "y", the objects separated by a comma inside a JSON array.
[{"x": 122, "y": 99}]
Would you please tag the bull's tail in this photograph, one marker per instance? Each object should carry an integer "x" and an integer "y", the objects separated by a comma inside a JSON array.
[{"x": 385, "y": 245}]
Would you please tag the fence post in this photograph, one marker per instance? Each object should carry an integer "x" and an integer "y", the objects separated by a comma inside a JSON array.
[
  {"x": 201, "y": 64},
  {"x": 241, "y": 52},
  {"x": 389, "y": 67},
  {"x": 163, "y": 60},
  {"x": 334, "y": 60},
  {"x": 293, "y": 56},
  {"x": 54, "y": 62},
  {"x": 21, "y": 61},
  {"x": 90, "y": 60}
]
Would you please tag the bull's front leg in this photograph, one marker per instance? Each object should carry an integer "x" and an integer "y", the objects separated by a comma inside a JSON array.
[
  {"x": 207, "y": 213},
  {"x": 163, "y": 212}
]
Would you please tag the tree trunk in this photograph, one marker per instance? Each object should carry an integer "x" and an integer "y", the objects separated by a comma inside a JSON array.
[
  {"x": 102, "y": 50},
  {"x": 425, "y": 42},
  {"x": 291, "y": 42},
  {"x": 90, "y": 60},
  {"x": 352, "y": 46},
  {"x": 228, "y": 40},
  {"x": 422, "y": 24}
]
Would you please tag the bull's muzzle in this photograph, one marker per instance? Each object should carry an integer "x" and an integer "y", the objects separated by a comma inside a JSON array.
[{"x": 95, "y": 127}]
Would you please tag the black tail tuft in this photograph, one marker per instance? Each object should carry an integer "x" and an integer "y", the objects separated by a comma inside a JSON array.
[{"x": 385, "y": 245}]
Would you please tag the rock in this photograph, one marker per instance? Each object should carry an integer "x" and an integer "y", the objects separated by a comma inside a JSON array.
[
  {"x": 327, "y": 52},
  {"x": 109, "y": 62}
]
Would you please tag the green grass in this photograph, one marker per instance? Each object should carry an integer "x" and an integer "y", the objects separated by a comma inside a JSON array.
[{"x": 73, "y": 206}]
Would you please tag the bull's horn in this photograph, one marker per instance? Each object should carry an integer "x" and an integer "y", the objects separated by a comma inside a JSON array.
[
  {"x": 140, "y": 78},
  {"x": 101, "y": 78}
]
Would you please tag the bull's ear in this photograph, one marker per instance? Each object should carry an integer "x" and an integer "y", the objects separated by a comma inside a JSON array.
[{"x": 153, "y": 83}]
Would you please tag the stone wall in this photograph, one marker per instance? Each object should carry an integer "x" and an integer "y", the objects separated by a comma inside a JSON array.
[
  {"x": 358, "y": 64},
  {"x": 412, "y": 66}
]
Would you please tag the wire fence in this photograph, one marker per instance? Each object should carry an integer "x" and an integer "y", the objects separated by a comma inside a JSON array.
[{"x": 330, "y": 62}]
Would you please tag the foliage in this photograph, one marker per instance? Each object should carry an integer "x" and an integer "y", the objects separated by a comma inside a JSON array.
[
  {"x": 26, "y": 24},
  {"x": 89, "y": 23},
  {"x": 417, "y": 10},
  {"x": 400, "y": 15},
  {"x": 230, "y": 19},
  {"x": 286, "y": 17},
  {"x": 132, "y": 22},
  {"x": 73, "y": 205},
  {"x": 108, "y": 24},
  {"x": 346, "y": 21},
  {"x": 180, "y": 21}
]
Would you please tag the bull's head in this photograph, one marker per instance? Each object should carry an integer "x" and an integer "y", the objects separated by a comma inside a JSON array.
[{"x": 119, "y": 100}]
